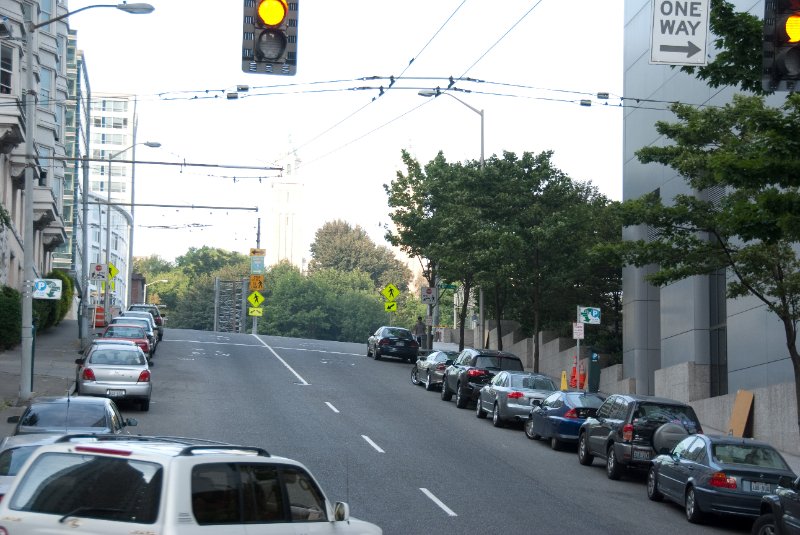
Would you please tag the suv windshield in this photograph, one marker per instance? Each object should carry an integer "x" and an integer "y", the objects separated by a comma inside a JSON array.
[
  {"x": 499, "y": 363},
  {"x": 123, "y": 490}
]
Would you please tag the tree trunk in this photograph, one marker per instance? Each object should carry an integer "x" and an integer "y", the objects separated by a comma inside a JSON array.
[
  {"x": 790, "y": 327},
  {"x": 498, "y": 315},
  {"x": 463, "y": 312}
]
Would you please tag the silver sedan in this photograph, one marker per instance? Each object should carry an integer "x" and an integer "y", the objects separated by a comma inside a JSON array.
[
  {"x": 508, "y": 397},
  {"x": 115, "y": 371}
]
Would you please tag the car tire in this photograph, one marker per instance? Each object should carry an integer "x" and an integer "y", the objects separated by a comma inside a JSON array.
[
  {"x": 584, "y": 457},
  {"x": 529, "y": 430},
  {"x": 653, "y": 492},
  {"x": 764, "y": 525},
  {"x": 555, "y": 444},
  {"x": 376, "y": 354},
  {"x": 446, "y": 394},
  {"x": 428, "y": 384},
  {"x": 144, "y": 405},
  {"x": 369, "y": 352},
  {"x": 414, "y": 376},
  {"x": 613, "y": 468},
  {"x": 461, "y": 400},
  {"x": 479, "y": 412},
  {"x": 693, "y": 512},
  {"x": 496, "y": 420}
]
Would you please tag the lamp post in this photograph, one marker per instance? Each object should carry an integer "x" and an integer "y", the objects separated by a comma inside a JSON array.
[
  {"x": 107, "y": 295},
  {"x": 144, "y": 297},
  {"x": 430, "y": 93},
  {"x": 26, "y": 371}
]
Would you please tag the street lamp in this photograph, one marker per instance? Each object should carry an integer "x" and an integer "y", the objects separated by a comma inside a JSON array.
[
  {"x": 26, "y": 371},
  {"x": 431, "y": 93},
  {"x": 106, "y": 297},
  {"x": 144, "y": 297}
]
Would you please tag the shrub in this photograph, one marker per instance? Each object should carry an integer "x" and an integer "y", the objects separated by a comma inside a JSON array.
[{"x": 10, "y": 317}]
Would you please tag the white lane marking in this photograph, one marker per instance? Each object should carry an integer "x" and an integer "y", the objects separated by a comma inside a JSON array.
[
  {"x": 320, "y": 351},
  {"x": 276, "y": 347},
  {"x": 302, "y": 381},
  {"x": 334, "y": 409},
  {"x": 371, "y": 443},
  {"x": 438, "y": 502}
]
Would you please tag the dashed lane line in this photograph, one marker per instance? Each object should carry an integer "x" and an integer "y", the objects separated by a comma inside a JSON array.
[
  {"x": 438, "y": 502},
  {"x": 371, "y": 443},
  {"x": 302, "y": 381}
]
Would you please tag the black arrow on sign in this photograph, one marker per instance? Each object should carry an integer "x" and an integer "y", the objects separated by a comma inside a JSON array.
[{"x": 691, "y": 49}]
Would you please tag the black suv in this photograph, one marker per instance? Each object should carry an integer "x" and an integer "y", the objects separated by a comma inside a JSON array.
[
  {"x": 629, "y": 430},
  {"x": 780, "y": 512},
  {"x": 472, "y": 369}
]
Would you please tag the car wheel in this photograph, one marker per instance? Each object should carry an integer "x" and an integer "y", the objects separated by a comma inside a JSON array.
[
  {"x": 414, "y": 376},
  {"x": 652, "y": 486},
  {"x": 496, "y": 420},
  {"x": 555, "y": 444},
  {"x": 764, "y": 525},
  {"x": 144, "y": 406},
  {"x": 369, "y": 351},
  {"x": 446, "y": 394},
  {"x": 376, "y": 354},
  {"x": 479, "y": 412},
  {"x": 584, "y": 457},
  {"x": 613, "y": 468},
  {"x": 428, "y": 384},
  {"x": 461, "y": 400},
  {"x": 529, "y": 430},
  {"x": 693, "y": 512}
]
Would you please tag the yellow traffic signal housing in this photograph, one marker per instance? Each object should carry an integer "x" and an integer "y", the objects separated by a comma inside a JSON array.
[
  {"x": 781, "y": 61},
  {"x": 269, "y": 37}
]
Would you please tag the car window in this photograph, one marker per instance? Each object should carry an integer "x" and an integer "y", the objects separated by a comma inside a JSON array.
[
  {"x": 115, "y": 418},
  {"x": 543, "y": 383},
  {"x": 605, "y": 409},
  {"x": 262, "y": 488},
  {"x": 91, "y": 486},
  {"x": 306, "y": 500},
  {"x": 499, "y": 379},
  {"x": 124, "y": 332},
  {"x": 398, "y": 333},
  {"x": 620, "y": 409},
  {"x": 551, "y": 400},
  {"x": 215, "y": 494},
  {"x": 12, "y": 459},
  {"x": 578, "y": 399},
  {"x": 681, "y": 447},
  {"x": 697, "y": 451},
  {"x": 511, "y": 364},
  {"x": 748, "y": 454},
  {"x": 62, "y": 415},
  {"x": 663, "y": 413}
]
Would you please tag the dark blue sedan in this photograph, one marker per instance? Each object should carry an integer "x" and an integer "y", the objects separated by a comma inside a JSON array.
[
  {"x": 717, "y": 474},
  {"x": 560, "y": 415}
]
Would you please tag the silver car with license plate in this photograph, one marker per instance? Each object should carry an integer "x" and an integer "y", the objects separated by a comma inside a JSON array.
[
  {"x": 119, "y": 372},
  {"x": 510, "y": 394}
]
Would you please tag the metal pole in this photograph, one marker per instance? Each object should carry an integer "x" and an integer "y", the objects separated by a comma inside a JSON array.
[
  {"x": 480, "y": 290},
  {"x": 107, "y": 295},
  {"x": 133, "y": 206},
  {"x": 26, "y": 373},
  {"x": 85, "y": 209}
]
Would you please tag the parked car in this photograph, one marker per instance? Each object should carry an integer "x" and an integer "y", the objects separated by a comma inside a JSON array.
[
  {"x": 559, "y": 417},
  {"x": 142, "y": 314},
  {"x": 717, "y": 474},
  {"x": 509, "y": 396},
  {"x": 472, "y": 369},
  {"x": 392, "y": 342},
  {"x": 780, "y": 510},
  {"x": 135, "y": 333},
  {"x": 429, "y": 369},
  {"x": 14, "y": 451},
  {"x": 629, "y": 430},
  {"x": 71, "y": 414},
  {"x": 144, "y": 323},
  {"x": 114, "y": 371},
  {"x": 164, "y": 485},
  {"x": 155, "y": 311}
]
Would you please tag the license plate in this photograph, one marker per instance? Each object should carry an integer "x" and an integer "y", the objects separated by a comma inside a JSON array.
[
  {"x": 641, "y": 455},
  {"x": 758, "y": 486},
  {"x": 115, "y": 393},
  {"x": 400, "y": 344}
]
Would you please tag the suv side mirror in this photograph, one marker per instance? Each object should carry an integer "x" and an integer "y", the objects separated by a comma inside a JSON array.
[
  {"x": 536, "y": 402},
  {"x": 341, "y": 512},
  {"x": 79, "y": 361},
  {"x": 13, "y": 419},
  {"x": 131, "y": 422}
]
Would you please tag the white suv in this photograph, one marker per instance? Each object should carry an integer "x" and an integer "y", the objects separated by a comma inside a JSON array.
[{"x": 169, "y": 486}]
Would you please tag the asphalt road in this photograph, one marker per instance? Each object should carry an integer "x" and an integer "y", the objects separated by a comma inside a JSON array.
[{"x": 400, "y": 456}]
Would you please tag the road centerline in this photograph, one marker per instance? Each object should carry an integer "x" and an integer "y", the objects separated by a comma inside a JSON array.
[
  {"x": 302, "y": 381},
  {"x": 371, "y": 443},
  {"x": 330, "y": 405},
  {"x": 438, "y": 502}
]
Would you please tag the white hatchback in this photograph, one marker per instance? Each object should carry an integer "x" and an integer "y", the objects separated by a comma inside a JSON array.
[{"x": 169, "y": 486}]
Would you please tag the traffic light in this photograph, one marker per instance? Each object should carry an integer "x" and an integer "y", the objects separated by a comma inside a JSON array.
[
  {"x": 781, "y": 63},
  {"x": 269, "y": 38}
]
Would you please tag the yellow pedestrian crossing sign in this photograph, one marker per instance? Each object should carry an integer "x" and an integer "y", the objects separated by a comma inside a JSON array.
[
  {"x": 255, "y": 311},
  {"x": 391, "y": 293},
  {"x": 112, "y": 270},
  {"x": 255, "y": 299},
  {"x": 390, "y": 306}
]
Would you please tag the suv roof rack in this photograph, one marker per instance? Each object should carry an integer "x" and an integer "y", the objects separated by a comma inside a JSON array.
[
  {"x": 106, "y": 437},
  {"x": 190, "y": 450}
]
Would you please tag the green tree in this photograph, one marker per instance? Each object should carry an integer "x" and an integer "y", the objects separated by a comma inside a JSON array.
[
  {"x": 743, "y": 162},
  {"x": 10, "y": 317},
  {"x": 151, "y": 266},
  {"x": 208, "y": 260},
  {"x": 339, "y": 246}
]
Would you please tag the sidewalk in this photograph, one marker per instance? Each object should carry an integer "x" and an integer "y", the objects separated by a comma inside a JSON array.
[{"x": 54, "y": 354}]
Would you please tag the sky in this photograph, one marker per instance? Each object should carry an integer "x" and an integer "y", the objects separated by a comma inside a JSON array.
[{"x": 526, "y": 64}]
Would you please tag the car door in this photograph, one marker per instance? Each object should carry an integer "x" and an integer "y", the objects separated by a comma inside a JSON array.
[
  {"x": 603, "y": 425},
  {"x": 790, "y": 499},
  {"x": 454, "y": 371},
  {"x": 541, "y": 420},
  {"x": 672, "y": 471},
  {"x": 489, "y": 393}
]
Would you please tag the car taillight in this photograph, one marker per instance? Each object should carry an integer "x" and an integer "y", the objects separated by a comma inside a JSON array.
[
  {"x": 627, "y": 432},
  {"x": 572, "y": 413},
  {"x": 440, "y": 367},
  {"x": 383, "y": 342},
  {"x": 515, "y": 395},
  {"x": 144, "y": 377},
  {"x": 88, "y": 375},
  {"x": 413, "y": 343},
  {"x": 476, "y": 373},
  {"x": 722, "y": 481}
]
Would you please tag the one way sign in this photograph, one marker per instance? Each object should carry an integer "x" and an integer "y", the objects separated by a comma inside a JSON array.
[{"x": 679, "y": 32}]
